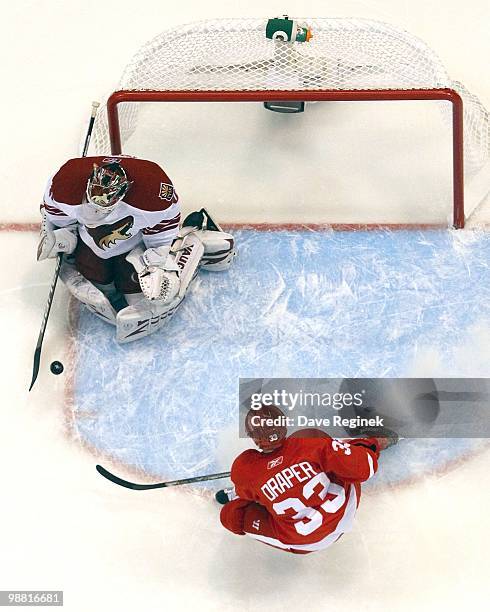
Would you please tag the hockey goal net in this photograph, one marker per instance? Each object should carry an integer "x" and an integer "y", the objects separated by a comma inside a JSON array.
[{"x": 350, "y": 60}]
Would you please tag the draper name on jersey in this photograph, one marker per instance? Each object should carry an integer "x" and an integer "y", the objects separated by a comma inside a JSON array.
[{"x": 287, "y": 479}]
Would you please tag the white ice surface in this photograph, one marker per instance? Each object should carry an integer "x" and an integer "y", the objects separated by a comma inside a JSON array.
[{"x": 423, "y": 547}]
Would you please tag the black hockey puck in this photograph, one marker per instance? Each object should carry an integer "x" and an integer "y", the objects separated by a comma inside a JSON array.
[
  {"x": 56, "y": 367},
  {"x": 221, "y": 497}
]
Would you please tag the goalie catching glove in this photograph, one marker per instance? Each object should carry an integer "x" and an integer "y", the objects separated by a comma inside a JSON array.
[
  {"x": 165, "y": 272},
  {"x": 53, "y": 241},
  {"x": 158, "y": 273}
]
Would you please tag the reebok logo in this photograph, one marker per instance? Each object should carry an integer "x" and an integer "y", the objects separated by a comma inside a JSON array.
[
  {"x": 275, "y": 462},
  {"x": 256, "y": 524},
  {"x": 112, "y": 160}
]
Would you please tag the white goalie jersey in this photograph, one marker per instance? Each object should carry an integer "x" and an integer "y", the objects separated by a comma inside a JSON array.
[{"x": 148, "y": 213}]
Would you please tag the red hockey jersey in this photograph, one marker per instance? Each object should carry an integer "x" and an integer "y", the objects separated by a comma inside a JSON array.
[
  {"x": 310, "y": 487},
  {"x": 149, "y": 212}
]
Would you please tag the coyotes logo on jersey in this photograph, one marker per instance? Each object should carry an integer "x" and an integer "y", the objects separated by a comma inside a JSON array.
[{"x": 106, "y": 236}]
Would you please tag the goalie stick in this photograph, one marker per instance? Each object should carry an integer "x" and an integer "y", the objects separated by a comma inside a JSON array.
[
  {"x": 95, "y": 106},
  {"x": 158, "y": 485},
  {"x": 47, "y": 309}
]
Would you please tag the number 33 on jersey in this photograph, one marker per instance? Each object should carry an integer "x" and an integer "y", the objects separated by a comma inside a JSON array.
[{"x": 302, "y": 496}]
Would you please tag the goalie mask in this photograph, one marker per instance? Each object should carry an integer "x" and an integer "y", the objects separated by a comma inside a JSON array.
[
  {"x": 106, "y": 186},
  {"x": 267, "y": 427}
]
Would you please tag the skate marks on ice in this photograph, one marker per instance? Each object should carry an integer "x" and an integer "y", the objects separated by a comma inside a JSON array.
[{"x": 296, "y": 304}]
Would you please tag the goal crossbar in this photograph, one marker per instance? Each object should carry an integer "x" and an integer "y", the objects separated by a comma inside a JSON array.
[{"x": 324, "y": 95}]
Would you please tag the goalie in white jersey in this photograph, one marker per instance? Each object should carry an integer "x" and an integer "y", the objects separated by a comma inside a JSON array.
[{"x": 118, "y": 219}]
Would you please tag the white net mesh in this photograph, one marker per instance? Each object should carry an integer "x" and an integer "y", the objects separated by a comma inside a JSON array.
[
  {"x": 235, "y": 54},
  {"x": 344, "y": 54}
]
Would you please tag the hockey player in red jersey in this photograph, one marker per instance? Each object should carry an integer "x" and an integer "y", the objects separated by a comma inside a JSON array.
[
  {"x": 130, "y": 262},
  {"x": 298, "y": 493}
]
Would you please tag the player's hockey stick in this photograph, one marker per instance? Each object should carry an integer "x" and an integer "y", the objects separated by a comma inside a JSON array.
[
  {"x": 158, "y": 485},
  {"x": 47, "y": 309}
]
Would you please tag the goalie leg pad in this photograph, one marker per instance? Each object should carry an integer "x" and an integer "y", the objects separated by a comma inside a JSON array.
[
  {"x": 143, "y": 317},
  {"x": 84, "y": 291},
  {"x": 219, "y": 250},
  {"x": 219, "y": 246},
  {"x": 187, "y": 251},
  {"x": 115, "y": 297}
]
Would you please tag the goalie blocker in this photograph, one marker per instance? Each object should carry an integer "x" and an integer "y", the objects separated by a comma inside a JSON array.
[{"x": 164, "y": 273}]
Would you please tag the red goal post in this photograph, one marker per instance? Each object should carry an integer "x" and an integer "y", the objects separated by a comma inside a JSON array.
[{"x": 369, "y": 95}]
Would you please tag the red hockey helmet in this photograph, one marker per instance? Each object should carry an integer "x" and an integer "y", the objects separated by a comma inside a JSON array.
[
  {"x": 267, "y": 427},
  {"x": 107, "y": 185}
]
